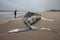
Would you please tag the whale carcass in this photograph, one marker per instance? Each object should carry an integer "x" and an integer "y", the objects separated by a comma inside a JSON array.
[{"x": 29, "y": 19}]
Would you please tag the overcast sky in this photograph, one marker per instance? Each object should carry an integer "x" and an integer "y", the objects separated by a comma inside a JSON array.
[{"x": 29, "y": 5}]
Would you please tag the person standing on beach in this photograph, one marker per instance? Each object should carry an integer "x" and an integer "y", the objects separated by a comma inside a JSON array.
[{"x": 15, "y": 12}]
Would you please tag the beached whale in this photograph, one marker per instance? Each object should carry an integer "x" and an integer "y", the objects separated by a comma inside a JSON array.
[{"x": 30, "y": 18}]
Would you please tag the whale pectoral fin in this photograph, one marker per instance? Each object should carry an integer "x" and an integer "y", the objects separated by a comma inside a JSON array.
[
  {"x": 18, "y": 30},
  {"x": 42, "y": 18}
]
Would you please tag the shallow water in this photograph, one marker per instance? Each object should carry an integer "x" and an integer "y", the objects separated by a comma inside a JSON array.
[{"x": 6, "y": 16}]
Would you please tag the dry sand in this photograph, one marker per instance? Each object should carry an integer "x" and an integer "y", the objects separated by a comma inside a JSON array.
[{"x": 33, "y": 35}]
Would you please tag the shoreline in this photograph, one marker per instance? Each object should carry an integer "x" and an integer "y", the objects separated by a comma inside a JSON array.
[
  {"x": 7, "y": 16},
  {"x": 33, "y": 35}
]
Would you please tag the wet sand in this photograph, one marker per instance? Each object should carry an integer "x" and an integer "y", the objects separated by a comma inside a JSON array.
[{"x": 33, "y": 35}]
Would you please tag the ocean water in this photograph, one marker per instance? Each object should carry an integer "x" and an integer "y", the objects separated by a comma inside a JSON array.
[{"x": 7, "y": 16}]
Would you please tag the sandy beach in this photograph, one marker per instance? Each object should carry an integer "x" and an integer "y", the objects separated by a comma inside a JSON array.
[{"x": 32, "y": 35}]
